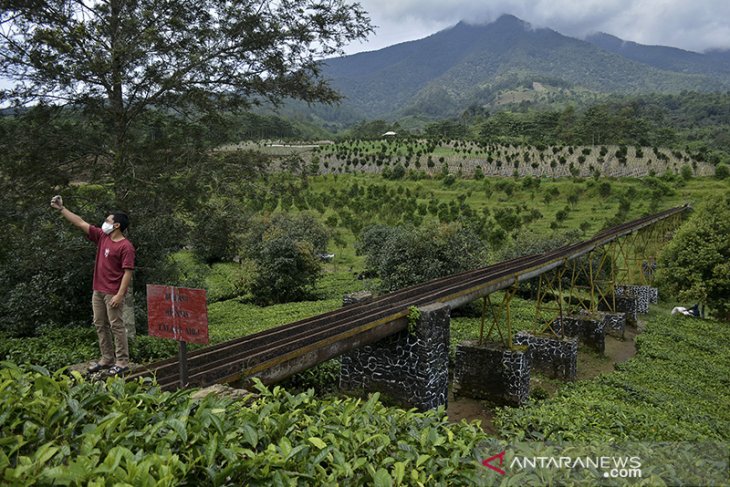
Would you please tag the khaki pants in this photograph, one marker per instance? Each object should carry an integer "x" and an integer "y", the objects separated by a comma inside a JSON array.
[
  {"x": 128, "y": 314},
  {"x": 109, "y": 323}
]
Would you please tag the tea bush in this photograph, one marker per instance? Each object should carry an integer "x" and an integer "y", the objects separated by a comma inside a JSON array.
[
  {"x": 59, "y": 429},
  {"x": 675, "y": 389},
  {"x": 54, "y": 348}
]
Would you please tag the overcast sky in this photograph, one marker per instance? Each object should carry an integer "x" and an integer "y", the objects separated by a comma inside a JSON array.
[{"x": 695, "y": 25}]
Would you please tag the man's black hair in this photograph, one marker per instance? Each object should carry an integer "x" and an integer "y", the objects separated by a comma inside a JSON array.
[{"x": 121, "y": 218}]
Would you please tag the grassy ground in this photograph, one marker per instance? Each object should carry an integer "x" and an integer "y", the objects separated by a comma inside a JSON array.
[{"x": 675, "y": 389}]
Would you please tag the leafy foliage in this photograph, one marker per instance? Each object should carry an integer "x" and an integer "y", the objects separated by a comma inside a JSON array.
[
  {"x": 673, "y": 390},
  {"x": 409, "y": 255},
  {"x": 323, "y": 379},
  {"x": 56, "y": 347},
  {"x": 118, "y": 60},
  {"x": 215, "y": 236},
  {"x": 53, "y": 348},
  {"x": 722, "y": 171},
  {"x": 43, "y": 264},
  {"x": 287, "y": 252},
  {"x": 60, "y": 429},
  {"x": 695, "y": 265},
  {"x": 42, "y": 288}
]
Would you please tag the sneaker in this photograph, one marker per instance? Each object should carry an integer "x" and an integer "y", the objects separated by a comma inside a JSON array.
[
  {"x": 116, "y": 370},
  {"x": 97, "y": 367}
]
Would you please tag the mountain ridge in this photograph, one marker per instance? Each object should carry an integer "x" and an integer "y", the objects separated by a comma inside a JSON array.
[
  {"x": 463, "y": 65},
  {"x": 663, "y": 57}
]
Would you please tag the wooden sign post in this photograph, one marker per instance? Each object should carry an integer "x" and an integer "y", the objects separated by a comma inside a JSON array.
[{"x": 178, "y": 313}]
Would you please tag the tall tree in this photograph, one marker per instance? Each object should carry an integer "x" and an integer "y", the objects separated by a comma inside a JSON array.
[
  {"x": 695, "y": 265},
  {"x": 118, "y": 58}
]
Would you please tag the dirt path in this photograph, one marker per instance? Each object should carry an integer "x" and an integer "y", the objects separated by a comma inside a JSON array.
[
  {"x": 590, "y": 364},
  {"x": 470, "y": 409}
]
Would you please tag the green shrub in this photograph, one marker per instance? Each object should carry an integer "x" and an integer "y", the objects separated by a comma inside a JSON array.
[
  {"x": 397, "y": 172},
  {"x": 529, "y": 242},
  {"x": 60, "y": 429},
  {"x": 52, "y": 347},
  {"x": 686, "y": 172},
  {"x": 695, "y": 265},
  {"x": 722, "y": 171},
  {"x": 214, "y": 237},
  {"x": 45, "y": 274},
  {"x": 673, "y": 390},
  {"x": 286, "y": 250},
  {"x": 604, "y": 189},
  {"x": 323, "y": 378},
  {"x": 409, "y": 255}
]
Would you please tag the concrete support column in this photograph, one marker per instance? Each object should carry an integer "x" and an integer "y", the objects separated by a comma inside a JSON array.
[
  {"x": 410, "y": 366},
  {"x": 555, "y": 357},
  {"x": 627, "y": 303},
  {"x": 615, "y": 323},
  {"x": 493, "y": 372},
  {"x": 589, "y": 329},
  {"x": 645, "y": 295}
]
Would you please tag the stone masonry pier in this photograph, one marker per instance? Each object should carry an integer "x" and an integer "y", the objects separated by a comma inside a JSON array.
[
  {"x": 492, "y": 372},
  {"x": 411, "y": 367}
]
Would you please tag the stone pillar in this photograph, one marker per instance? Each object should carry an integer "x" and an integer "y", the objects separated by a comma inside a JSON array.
[
  {"x": 555, "y": 357},
  {"x": 352, "y": 377},
  {"x": 644, "y": 295},
  {"x": 627, "y": 304},
  {"x": 653, "y": 295},
  {"x": 615, "y": 323},
  {"x": 412, "y": 367},
  {"x": 589, "y": 329},
  {"x": 492, "y": 372}
]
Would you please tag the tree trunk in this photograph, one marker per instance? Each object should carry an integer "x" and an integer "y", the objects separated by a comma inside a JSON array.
[{"x": 120, "y": 170}]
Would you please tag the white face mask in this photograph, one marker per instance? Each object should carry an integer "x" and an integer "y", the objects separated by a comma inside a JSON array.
[{"x": 107, "y": 227}]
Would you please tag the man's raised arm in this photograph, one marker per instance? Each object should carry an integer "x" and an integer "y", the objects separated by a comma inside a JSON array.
[{"x": 77, "y": 221}]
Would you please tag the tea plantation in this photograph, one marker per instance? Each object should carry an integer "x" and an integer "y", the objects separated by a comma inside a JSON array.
[{"x": 59, "y": 429}]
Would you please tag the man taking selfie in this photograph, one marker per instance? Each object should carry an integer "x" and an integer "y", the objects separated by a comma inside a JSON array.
[{"x": 113, "y": 270}]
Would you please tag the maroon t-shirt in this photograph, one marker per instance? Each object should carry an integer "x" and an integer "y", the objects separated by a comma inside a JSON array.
[{"x": 111, "y": 260}]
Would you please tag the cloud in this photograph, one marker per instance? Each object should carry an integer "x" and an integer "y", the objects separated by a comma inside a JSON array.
[{"x": 697, "y": 25}]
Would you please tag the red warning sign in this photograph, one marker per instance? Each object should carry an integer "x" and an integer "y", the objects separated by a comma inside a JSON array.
[{"x": 178, "y": 313}]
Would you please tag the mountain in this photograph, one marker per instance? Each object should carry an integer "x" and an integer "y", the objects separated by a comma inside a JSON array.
[
  {"x": 506, "y": 60},
  {"x": 715, "y": 63}
]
